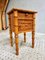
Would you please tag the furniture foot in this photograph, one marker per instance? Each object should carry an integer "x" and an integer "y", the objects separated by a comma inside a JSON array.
[{"x": 24, "y": 37}]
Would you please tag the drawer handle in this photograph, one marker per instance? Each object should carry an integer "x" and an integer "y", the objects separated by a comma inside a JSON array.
[{"x": 26, "y": 14}]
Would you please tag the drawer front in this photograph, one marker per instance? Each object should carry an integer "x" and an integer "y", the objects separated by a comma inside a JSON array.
[
  {"x": 21, "y": 15},
  {"x": 25, "y": 25}
]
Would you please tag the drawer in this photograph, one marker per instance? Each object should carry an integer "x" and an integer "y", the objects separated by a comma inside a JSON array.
[
  {"x": 24, "y": 22},
  {"x": 25, "y": 28},
  {"x": 21, "y": 15},
  {"x": 24, "y": 25}
]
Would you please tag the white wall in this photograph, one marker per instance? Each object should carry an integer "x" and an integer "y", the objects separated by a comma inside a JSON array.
[{"x": 38, "y": 5}]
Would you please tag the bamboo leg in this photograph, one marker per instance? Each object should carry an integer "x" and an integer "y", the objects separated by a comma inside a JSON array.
[
  {"x": 10, "y": 31},
  {"x": 24, "y": 37},
  {"x": 33, "y": 33},
  {"x": 16, "y": 31},
  {"x": 11, "y": 42},
  {"x": 16, "y": 43}
]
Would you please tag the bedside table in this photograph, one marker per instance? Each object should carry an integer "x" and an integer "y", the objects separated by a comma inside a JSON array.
[{"x": 21, "y": 21}]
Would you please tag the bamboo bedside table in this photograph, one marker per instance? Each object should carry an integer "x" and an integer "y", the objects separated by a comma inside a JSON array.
[{"x": 21, "y": 21}]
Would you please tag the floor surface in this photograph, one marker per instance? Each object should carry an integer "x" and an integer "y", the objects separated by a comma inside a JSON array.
[{"x": 26, "y": 52}]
